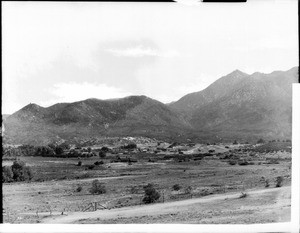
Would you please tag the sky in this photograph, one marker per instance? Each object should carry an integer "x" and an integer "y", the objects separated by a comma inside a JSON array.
[{"x": 70, "y": 51}]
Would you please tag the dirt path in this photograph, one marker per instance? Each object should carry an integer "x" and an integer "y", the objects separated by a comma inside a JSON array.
[{"x": 258, "y": 203}]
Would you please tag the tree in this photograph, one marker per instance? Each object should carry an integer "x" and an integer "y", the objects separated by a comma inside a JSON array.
[
  {"x": 97, "y": 187},
  {"x": 7, "y": 174},
  {"x": 279, "y": 180},
  {"x": 260, "y": 141},
  {"x": 102, "y": 154},
  {"x": 59, "y": 150},
  {"x": 105, "y": 149},
  {"x": 130, "y": 146},
  {"x": 20, "y": 171},
  {"x": 151, "y": 195}
]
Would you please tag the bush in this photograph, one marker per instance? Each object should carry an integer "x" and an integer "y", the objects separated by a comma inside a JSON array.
[
  {"x": 188, "y": 190},
  {"x": 279, "y": 180},
  {"x": 97, "y": 187},
  {"x": 260, "y": 141},
  {"x": 243, "y": 195},
  {"x": 151, "y": 195},
  {"x": 232, "y": 162},
  {"x": 243, "y": 163},
  {"x": 21, "y": 172},
  {"x": 91, "y": 167},
  {"x": 267, "y": 184},
  {"x": 102, "y": 154},
  {"x": 97, "y": 163},
  {"x": 79, "y": 163},
  {"x": 176, "y": 187},
  {"x": 130, "y": 146},
  {"x": 79, "y": 189},
  {"x": 105, "y": 149},
  {"x": 134, "y": 190},
  {"x": 235, "y": 142},
  {"x": 7, "y": 174}
]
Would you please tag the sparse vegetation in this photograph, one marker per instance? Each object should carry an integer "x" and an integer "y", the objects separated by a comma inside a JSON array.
[{"x": 97, "y": 187}]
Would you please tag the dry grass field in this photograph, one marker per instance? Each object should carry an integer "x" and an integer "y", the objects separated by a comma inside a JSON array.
[{"x": 53, "y": 195}]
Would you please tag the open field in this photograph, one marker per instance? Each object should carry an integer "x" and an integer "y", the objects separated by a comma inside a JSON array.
[
  {"x": 54, "y": 188},
  {"x": 261, "y": 206}
]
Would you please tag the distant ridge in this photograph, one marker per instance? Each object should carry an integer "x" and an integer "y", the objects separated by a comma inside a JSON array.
[{"x": 236, "y": 106}]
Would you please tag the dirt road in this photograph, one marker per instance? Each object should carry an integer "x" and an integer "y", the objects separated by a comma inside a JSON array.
[{"x": 258, "y": 206}]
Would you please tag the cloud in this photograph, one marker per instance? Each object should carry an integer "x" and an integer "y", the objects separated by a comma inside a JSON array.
[
  {"x": 74, "y": 91},
  {"x": 142, "y": 51}
]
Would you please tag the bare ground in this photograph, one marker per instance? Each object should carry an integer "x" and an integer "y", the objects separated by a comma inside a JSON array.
[{"x": 259, "y": 206}]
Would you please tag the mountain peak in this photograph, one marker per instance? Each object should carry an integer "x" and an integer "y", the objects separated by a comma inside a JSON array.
[
  {"x": 237, "y": 73},
  {"x": 32, "y": 106}
]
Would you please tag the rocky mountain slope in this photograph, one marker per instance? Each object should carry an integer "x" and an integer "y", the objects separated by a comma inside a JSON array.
[
  {"x": 133, "y": 115},
  {"x": 236, "y": 106},
  {"x": 241, "y": 105}
]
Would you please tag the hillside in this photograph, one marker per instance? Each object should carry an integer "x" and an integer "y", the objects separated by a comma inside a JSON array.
[
  {"x": 130, "y": 116},
  {"x": 236, "y": 106},
  {"x": 257, "y": 105}
]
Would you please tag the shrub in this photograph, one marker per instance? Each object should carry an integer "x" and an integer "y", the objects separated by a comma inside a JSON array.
[
  {"x": 130, "y": 146},
  {"x": 102, "y": 154},
  {"x": 243, "y": 195},
  {"x": 232, "y": 162},
  {"x": 243, "y": 163},
  {"x": 79, "y": 189},
  {"x": 188, "y": 190},
  {"x": 260, "y": 141},
  {"x": 176, "y": 187},
  {"x": 79, "y": 163},
  {"x": 134, "y": 190},
  {"x": 267, "y": 184},
  {"x": 235, "y": 142},
  {"x": 151, "y": 195},
  {"x": 21, "y": 172},
  {"x": 97, "y": 163},
  {"x": 279, "y": 180},
  {"x": 91, "y": 167},
  {"x": 97, "y": 187},
  {"x": 105, "y": 149},
  {"x": 7, "y": 174}
]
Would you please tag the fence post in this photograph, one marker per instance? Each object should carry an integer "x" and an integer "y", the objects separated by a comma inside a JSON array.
[{"x": 95, "y": 206}]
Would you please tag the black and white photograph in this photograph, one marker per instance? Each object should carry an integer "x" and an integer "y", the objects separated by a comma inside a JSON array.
[{"x": 149, "y": 113}]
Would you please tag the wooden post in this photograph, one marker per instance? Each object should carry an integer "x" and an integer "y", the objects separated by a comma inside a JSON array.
[{"x": 95, "y": 206}]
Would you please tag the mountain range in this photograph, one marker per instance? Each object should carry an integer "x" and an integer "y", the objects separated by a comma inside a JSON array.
[{"x": 237, "y": 106}]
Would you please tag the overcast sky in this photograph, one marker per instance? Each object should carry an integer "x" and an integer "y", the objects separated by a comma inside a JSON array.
[{"x": 64, "y": 52}]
